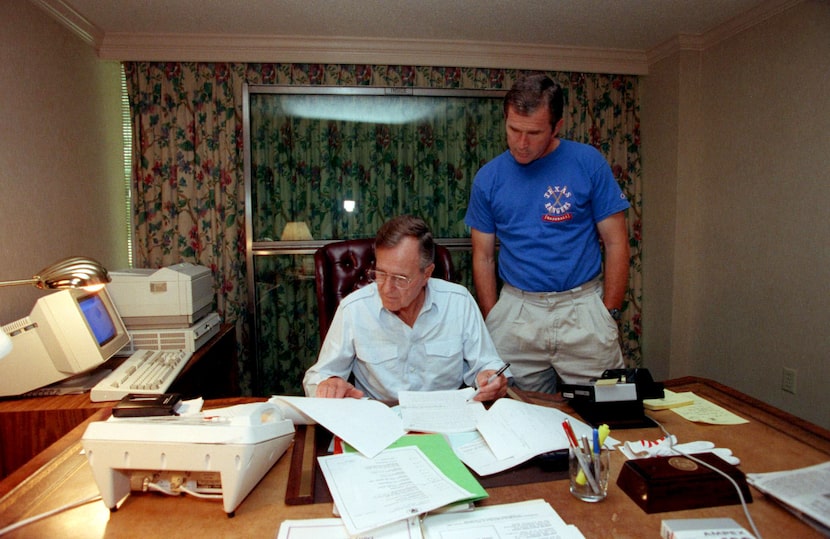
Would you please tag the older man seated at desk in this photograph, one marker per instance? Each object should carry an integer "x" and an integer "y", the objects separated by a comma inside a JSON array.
[{"x": 406, "y": 331}]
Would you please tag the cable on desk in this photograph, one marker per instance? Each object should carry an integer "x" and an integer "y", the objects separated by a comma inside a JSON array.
[
  {"x": 160, "y": 488},
  {"x": 203, "y": 493},
  {"x": 30, "y": 520},
  {"x": 207, "y": 494},
  {"x": 714, "y": 469}
]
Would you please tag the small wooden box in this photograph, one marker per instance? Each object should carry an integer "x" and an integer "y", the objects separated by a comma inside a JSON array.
[{"x": 660, "y": 484}]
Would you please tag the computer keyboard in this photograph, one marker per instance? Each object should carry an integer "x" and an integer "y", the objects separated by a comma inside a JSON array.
[{"x": 145, "y": 371}]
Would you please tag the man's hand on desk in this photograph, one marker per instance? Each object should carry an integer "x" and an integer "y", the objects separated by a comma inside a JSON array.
[
  {"x": 492, "y": 391},
  {"x": 337, "y": 388}
]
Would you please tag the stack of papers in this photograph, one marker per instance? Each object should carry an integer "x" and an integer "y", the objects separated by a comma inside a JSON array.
[
  {"x": 384, "y": 477},
  {"x": 507, "y": 521},
  {"x": 395, "y": 485},
  {"x": 439, "y": 452},
  {"x": 488, "y": 441},
  {"x": 670, "y": 400},
  {"x": 805, "y": 492}
]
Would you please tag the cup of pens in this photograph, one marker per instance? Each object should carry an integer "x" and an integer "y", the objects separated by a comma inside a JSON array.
[
  {"x": 588, "y": 464},
  {"x": 591, "y": 486}
]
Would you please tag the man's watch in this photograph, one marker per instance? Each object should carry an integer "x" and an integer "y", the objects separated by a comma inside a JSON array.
[{"x": 616, "y": 314}]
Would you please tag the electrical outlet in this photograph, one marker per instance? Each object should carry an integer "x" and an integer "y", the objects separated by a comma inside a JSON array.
[{"x": 788, "y": 380}]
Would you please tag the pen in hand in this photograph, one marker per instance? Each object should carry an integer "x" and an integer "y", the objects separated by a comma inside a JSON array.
[{"x": 490, "y": 380}]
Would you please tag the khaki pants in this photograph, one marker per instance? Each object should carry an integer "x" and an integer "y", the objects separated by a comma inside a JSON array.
[{"x": 542, "y": 335}]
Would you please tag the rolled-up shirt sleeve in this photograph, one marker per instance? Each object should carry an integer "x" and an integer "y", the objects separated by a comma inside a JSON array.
[
  {"x": 480, "y": 353},
  {"x": 336, "y": 357}
]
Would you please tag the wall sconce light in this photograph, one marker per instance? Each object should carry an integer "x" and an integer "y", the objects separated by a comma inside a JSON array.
[{"x": 349, "y": 205}]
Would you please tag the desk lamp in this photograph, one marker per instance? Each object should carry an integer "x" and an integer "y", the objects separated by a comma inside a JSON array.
[{"x": 73, "y": 272}]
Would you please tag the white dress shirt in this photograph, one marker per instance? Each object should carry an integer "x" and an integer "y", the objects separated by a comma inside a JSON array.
[{"x": 447, "y": 346}]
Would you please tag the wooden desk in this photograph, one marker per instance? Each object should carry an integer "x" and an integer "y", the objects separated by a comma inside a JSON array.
[
  {"x": 30, "y": 425},
  {"x": 772, "y": 440}
]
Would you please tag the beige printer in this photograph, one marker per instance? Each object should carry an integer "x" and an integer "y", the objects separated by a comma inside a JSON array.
[{"x": 176, "y": 296}]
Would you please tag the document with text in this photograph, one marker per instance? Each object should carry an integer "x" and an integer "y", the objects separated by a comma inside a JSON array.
[
  {"x": 515, "y": 429},
  {"x": 394, "y": 485},
  {"x": 440, "y": 411},
  {"x": 472, "y": 450},
  {"x": 704, "y": 411},
  {"x": 438, "y": 450},
  {"x": 506, "y": 521},
  {"x": 804, "y": 491},
  {"x": 333, "y": 528}
]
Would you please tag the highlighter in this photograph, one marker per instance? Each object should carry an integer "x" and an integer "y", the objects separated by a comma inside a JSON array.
[{"x": 603, "y": 431}]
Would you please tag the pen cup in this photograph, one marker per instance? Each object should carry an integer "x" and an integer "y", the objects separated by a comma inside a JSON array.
[{"x": 580, "y": 486}]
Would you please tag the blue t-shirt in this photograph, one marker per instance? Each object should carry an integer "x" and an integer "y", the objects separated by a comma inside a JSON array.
[{"x": 544, "y": 215}]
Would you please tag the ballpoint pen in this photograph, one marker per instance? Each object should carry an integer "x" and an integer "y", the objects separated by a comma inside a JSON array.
[
  {"x": 581, "y": 457},
  {"x": 490, "y": 380},
  {"x": 602, "y": 433},
  {"x": 569, "y": 433},
  {"x": 586, "y": 450}
]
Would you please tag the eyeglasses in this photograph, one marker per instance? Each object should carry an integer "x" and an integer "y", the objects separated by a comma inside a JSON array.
[{"x": 401, "y": 282}]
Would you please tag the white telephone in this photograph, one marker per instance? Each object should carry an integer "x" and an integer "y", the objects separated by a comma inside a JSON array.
[{"x": 179, "y": 452}]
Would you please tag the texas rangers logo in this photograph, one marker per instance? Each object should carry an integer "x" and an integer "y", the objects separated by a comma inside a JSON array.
[{"x": 558, "y": 206}]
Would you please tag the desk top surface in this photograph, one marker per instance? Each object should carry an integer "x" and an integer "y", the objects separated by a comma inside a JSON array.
[{"x": 771, "y": 441}]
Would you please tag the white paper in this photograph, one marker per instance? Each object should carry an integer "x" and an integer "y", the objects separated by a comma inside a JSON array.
[
  {"x": 506, "y": 521},
  {"x": 514, "y": 429},
  {"x": 291, "y": 412},
  {"x": 806, "y": 490},
  {"x": 395, "y": 485},
  {"x": 473, "y": 451},
  {"x": 440, "y": 411},
  {"x": 333, "y": 528},
  {"x": 367, "y": 425}
]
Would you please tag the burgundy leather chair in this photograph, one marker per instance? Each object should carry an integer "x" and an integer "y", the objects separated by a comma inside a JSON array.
[{"x": 341, "y": 268}]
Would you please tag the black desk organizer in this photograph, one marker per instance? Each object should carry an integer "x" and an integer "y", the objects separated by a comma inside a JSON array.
[{"x": 620, "y": 414}]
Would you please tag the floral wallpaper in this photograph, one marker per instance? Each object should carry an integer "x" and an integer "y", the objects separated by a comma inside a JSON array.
[{"x": 190, "y": 188}]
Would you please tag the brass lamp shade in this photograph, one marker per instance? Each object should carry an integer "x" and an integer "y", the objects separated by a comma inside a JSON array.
[{"x": 74, "y": 272}]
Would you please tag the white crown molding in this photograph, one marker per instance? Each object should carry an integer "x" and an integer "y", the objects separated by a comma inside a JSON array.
[
  {"x": 753, "y": 17},
  {"x": 73, "y": 20},
  {"x": 732, "y": 27},
  {"x": 681, "y": 42},
  {"x": 302, "y": 49}
]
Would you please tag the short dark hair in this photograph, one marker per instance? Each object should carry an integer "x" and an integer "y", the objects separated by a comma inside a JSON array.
[
  {"x": 533, "y": 91},
  {"x": 393, "y": 231}
]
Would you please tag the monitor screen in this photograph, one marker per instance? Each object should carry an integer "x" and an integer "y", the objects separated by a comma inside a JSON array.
[
  {"x": 98, "y": 318},
  {"x": 67, "y": 333}
]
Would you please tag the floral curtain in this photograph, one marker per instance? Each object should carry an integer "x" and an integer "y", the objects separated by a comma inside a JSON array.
[
  {"x": 189, "y": 179},
  {"x": 188, "y": 190}
]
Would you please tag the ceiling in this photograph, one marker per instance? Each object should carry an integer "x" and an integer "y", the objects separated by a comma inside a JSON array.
[{"x": 505, "y": 29}]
